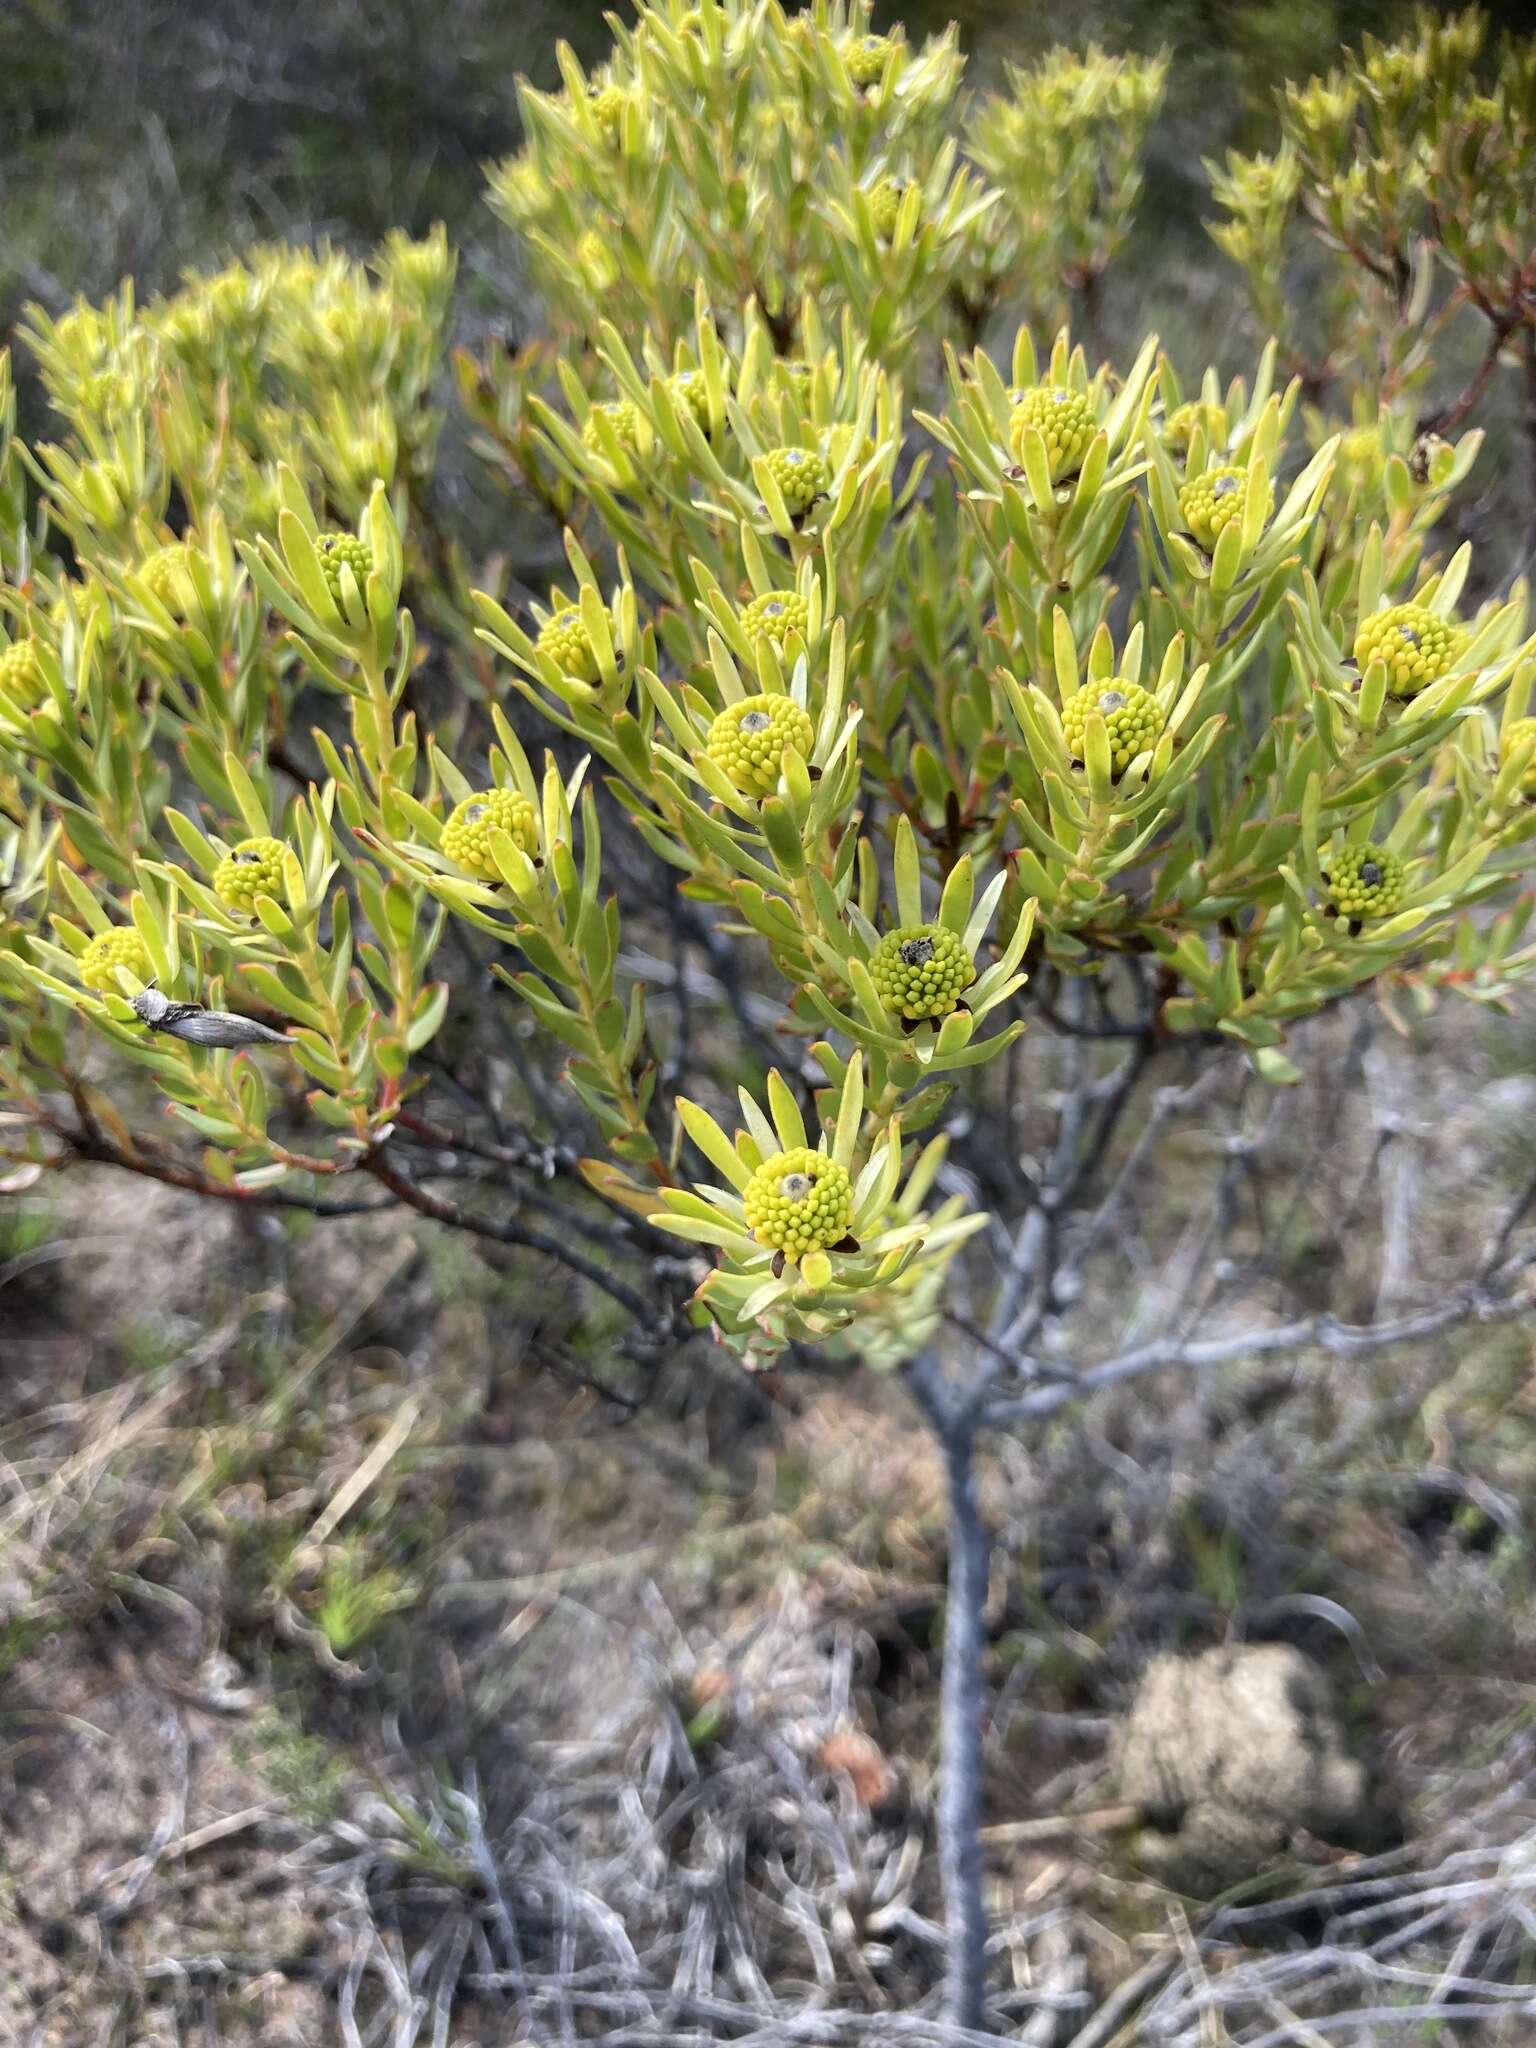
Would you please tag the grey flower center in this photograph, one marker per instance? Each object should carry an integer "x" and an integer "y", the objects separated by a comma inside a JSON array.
[
  {"x": 1224, "y": 486},
  {"x": 246, "y": 860},
  {"x": 755, "y": 721},
  {"x": 1409, "y": 635},
  {"x": 1060, "y": 397},
  {"x": 794, "y": 455},
  {"x": 1370, "y": 874},
  {"x": 1112, "y": 700},
  {"x": 794, "y": 1187},
  {"x": 474, "y": 814},
  {"x": 772, "y": 610},
  {"x": 917, "y": 952}
]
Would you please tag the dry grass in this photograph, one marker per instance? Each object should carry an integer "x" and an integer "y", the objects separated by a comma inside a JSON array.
[{"x": 365, "y": 1679}]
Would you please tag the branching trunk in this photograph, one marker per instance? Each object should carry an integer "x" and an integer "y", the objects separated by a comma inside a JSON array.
[{"x": 960, "y": 1745}]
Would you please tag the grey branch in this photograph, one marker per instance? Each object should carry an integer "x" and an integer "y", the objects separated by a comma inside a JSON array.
[{"x": 1487, "y": 1301}]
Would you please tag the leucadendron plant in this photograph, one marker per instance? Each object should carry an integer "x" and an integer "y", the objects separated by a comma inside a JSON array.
[
  {"x": 1400, "y": 190},
  {"x": 922, "y": 675},
  {"x": 1058, "y": 661}
]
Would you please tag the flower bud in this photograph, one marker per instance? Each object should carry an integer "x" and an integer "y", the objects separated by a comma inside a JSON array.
[
  {"x": 1179, "y": 427},
  {"x": 690, "y": 393},
  {"x": 884, "y": 204}
]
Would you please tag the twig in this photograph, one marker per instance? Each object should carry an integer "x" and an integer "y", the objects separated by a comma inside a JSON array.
[
  {"x": 507, "y": 1230},
  {"x": 1487, "y": 1302}
]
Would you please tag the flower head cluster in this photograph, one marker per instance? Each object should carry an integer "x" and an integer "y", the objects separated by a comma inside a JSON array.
[
  {"x": 343, "y": 550},
  {"x": 1417, "y": 645},
  {"x": 748, "y": 740},
  {"x": 1208, "y": 504},
  {"x": 1132, "y": 717},
  {"x": 798, "y": 1202},
  {"x": 565, "y": 640},
  {"x": 801, "y": 475},
  {"x": 775, "y": 616},
  {"x": 467, "y": 834},
  {"x": 1364, "y": 881},
  {"x": 107, "y": 952},
  {"x": 1064, "y": 418},
  {"x": 920, "y": 970},
  {"x": 251, "y": 869}
]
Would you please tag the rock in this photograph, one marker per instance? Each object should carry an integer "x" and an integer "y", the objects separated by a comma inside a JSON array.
[{"x": 1231, "y": 1755}]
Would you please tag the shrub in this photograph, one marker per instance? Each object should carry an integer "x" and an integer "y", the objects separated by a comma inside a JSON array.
[{"x": 1082, "y": 677}]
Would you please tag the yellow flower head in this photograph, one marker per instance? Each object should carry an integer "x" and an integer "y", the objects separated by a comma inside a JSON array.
[
  {"x": 748, "y": 740},
  {"x": 21, "y": 673},
  {"x": 343, "y": 550},
  {"x": 801, "y": 475},
  {"x": 884, "y": 205},
  {"x": 621, "y": 416},
  {"x": 775, "y": 617},
  {"x": 1179, "y": 427},
  {"x": 1364, "y": 881},
  {"x": 165, "y": 575},
  {"x": 251, "y": 869},
  {"x": 467, "y": 834},
  {"x": 1065, "y": 418},
  {"x": 920, "y": 970},
  {"x": 1132, "y": 717},
  {"x": 564, "y": 639},
  {"x": 107, "y": 952},
  {"x": 689, "y": 391},
  {"x": 799, "y": 1202},
  {"x": 866, "y": 58},
  {"x": 1417, "y": 645},
  {"x": 1519, "y": 734},
  {"x": 1208, "y": 504},
  {"x": 608, "y": 104}
]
